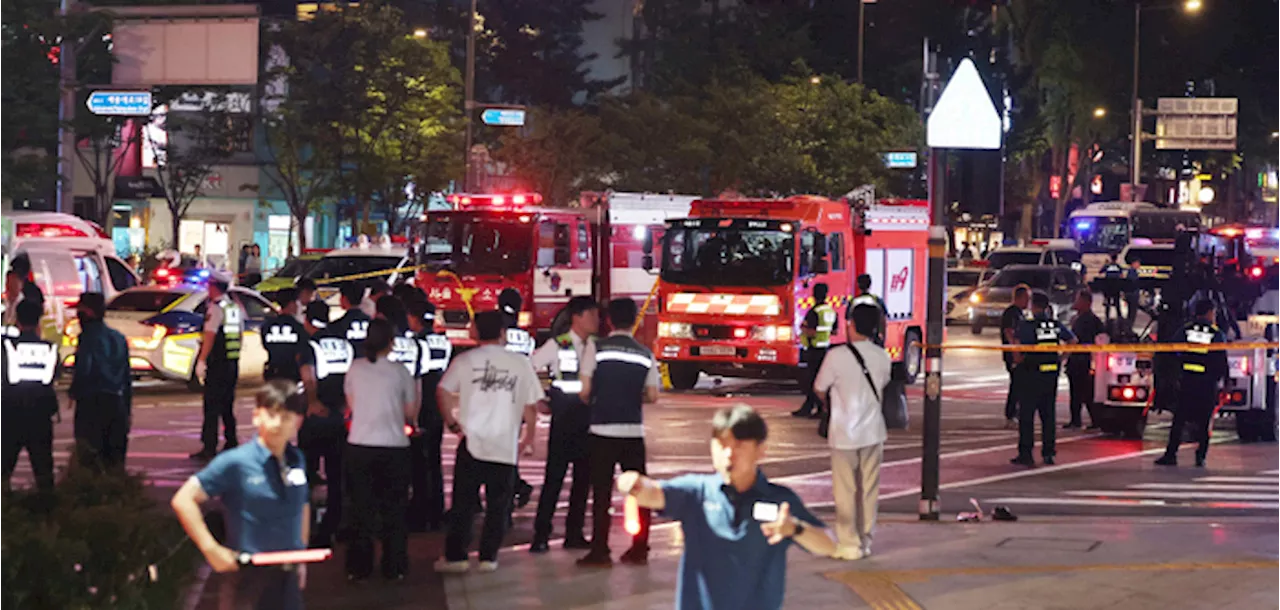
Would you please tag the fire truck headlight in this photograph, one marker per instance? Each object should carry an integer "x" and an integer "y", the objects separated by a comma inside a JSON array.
[
  {"x": 525, "y": 319},
  {"x": 771, "y": 333},
  {"x": 675, "y": 330},
  {"x": 975, "y": 298}
]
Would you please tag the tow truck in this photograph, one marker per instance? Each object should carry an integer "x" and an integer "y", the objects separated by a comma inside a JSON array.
[
  {"x": 737, "y": 279},
  {"x": 492, "y": 241}
]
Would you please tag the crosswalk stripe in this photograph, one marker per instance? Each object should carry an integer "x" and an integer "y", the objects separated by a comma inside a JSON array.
[
  {"x": 1204, "y": 487},
  {"x": 1267, "y": 480},
  {"x": 1207, "y": 495},
  {"x": 1136, "y": 503},
  {"x": 1270, "y": 472}
]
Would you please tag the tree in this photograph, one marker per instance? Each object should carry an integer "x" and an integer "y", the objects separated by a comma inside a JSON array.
[
  {"x": 194, "y": 143},
  {"x": 559, "y": 153}
]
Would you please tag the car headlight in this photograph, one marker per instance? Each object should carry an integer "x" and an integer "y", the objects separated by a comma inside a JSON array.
[
  {"x": 975, "y": 298},
  {"x": 770, "y": 332},
  {"x": 152, "y": 342},
  {"x": 675, "y": 330}
]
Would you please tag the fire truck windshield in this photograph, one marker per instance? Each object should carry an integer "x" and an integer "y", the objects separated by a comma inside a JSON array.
[
  {"x": 728, "y": 256},
  {"x": 477, "y": 244}
]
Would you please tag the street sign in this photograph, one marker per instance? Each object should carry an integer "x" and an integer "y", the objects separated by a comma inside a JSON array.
[
  {"x": 900, "y": 160},
  {"x": 506, "y": 117},
  {"x": 964, "y": 116},
  {"x": 120, "y": 103},
  {"x": 1196, "y": 123}
]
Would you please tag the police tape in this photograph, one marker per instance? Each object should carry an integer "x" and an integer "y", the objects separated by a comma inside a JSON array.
[
  {"x": 367, "y": 275},
  {"x": 1113, "y": 347}
]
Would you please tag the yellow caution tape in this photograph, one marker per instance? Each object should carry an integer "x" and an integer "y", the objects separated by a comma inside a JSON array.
[
  {"x": 649, "y": 299},
  {"x": 368, "y": 274},
  {"x": 1116, "y": 347},
  {"x": 466, "y": 293}
]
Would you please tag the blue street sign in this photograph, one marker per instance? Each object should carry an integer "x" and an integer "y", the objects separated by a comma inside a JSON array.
[
  {"x": 120, "y": 103},
  {"x": 900, "y": 160},
  {"x": 507, "y": 117}
]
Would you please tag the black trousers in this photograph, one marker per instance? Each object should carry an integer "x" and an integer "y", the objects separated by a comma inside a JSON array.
[
  {"x": 607, "y": 452},
  {"x": 378, "y": 481},
  {"x": 33, "y": 432},
  {"x": 102, "y": 430},
  {"x": 1011, "y": 401},
  {"x": 426, "y": 507},
  {"x": 813, "y": 358},
  {"x": 322, "y": 440},
  {"x": 1110, "y": 303},
  {"x": 219, "y": 402},
  {"x": 565, "y": 447},
  {"x": 261, "y": 588},
  {"x": 499, "y": 486},
  {"x": 1081, "y": 380},
  {"x": 1197, "y": 399},
  {"x": 1037, "y": 394}
]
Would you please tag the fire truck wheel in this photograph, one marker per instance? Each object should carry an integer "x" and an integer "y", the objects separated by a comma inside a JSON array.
[
  {"x": 683, "y": 375},
  {"x": 913, "y": 356},
  {"x": 976, "y": 327}
]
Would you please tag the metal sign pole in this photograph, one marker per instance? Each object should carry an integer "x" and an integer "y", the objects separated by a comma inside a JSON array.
[{"x": 933, "y": 336}]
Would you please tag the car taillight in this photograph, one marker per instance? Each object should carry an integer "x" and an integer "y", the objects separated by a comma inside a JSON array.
[
  {"x": 1128, "y": 393},
  {"x": 1255, "y": 272}
]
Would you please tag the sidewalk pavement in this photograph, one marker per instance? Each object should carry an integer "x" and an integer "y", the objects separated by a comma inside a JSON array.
[{"x": 1044, "y": 563}]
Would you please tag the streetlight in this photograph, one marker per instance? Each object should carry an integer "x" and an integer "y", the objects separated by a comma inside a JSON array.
[
  {"x": 1099, "y": 112},
  {"x": 1135, "y": 163},
  {"x": 815, "y": 80},
  {"x": 420, "y": 33}
]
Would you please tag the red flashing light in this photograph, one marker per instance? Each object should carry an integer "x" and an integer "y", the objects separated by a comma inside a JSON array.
[
  {"x": 519, "y": 199},
  {"x": 1229, "y": 232},
  {"x": 739, "y": 333},
  {"x": 1255, "y": 272},
  {"x": 1128, "y": 393},
  {"x": 499, "y": 200},
  {"x": 41, "y": 229},
  {"x": 162, "y": 272}
]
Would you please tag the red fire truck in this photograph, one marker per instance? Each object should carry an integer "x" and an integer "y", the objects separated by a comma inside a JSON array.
[
  {"x": 489, "y": 242},
  {"x": 738, "y": 278}
]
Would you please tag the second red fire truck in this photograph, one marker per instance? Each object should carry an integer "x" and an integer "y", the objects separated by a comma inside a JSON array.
[{"x": 738, "y": 278}]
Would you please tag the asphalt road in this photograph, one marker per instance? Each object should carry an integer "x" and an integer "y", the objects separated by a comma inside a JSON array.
[{"x": 1094, "y": 475}]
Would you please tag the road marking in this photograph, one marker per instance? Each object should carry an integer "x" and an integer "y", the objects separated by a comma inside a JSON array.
[
  {"x": 1135, "y": 503},
  {"x": 1270, "y": 472},
  {"x": 1205, "y": 487},
  {"x": 1178, "y": 495},
  {"x": 1270, "y": 480}
]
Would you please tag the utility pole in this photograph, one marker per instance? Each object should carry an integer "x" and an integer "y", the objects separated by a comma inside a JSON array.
[
  {"x": 934, "y": 297},
  {"x": 862, "y": 33},
  {"x": 63, "y": 198},
  {"x": 1135, "y": 163},
  {"x": 470, "y": 94}
]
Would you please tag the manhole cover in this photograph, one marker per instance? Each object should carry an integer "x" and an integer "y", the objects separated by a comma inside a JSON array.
[{"x": 1049, "y": 544}]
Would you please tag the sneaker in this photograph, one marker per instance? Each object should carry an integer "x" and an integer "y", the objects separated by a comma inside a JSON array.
[
  {"x": 1167, "y": 460},
  {"x": 1023, "y": 461},
  {"x": 596, "y": 560},
  {"x": 847, "y": 553},
  {"x": 444, "y": 566},
  {"x": 635, "y": 556},
  {"x": 866, "y": 550},
  {"x": 1048, "y": 460},
  {"x": 487, "y": 567},
  {"x": 202, "y": 455},
  {"x": 800, "y": 413},
  {"x": 577, "y": 544},
  {"x": 1199, "y": 461},
  {"x": 539, "y": 547}
]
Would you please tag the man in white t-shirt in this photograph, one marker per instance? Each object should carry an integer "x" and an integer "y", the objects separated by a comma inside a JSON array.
[
  {"x": 857, "y": 432},
  {"x": 493, "y": 391}
]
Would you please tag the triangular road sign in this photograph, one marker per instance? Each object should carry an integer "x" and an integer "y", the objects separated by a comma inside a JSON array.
[{"x": 964, "y": 116}]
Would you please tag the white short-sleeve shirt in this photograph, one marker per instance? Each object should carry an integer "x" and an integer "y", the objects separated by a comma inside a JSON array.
[
  {"x": 493, "y": 387},
  {"x": 856, "y": 418}
]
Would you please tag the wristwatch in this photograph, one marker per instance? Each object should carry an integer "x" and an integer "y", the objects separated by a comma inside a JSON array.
[{"x": 799, "y": 529}]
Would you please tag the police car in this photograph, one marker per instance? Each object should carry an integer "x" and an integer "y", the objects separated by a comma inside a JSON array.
[{"x": 163, "y": 327}]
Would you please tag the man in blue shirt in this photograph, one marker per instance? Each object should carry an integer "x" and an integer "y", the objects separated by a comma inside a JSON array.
[
  {"x": 737, "y": 525},
  {"x": 101, "y": 389},
  {"x": 263, "y": 488}
]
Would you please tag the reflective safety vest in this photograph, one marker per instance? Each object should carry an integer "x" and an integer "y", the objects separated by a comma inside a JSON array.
[
  {"x": 1112, "y": 270},
  {"x": 566, "y": 372},
  {"x": 333, "y": 356},
  {"x": 436, "y": 352},
  {"x": 408, "y": 352},
  {"x": 28, "y": 360},
  {"x": 1195, "y": 361},
  {"x": 226, "y": 344},
  {"x": 826, "y": 323},
  {"x": 519, "y": 341},
  {"x": 1047, "y": 333}
]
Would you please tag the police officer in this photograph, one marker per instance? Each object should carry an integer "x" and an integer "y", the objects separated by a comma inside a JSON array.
[
  {"x": 865, "y": 297},
  {"x": 1038, "y": 380},
  {"x": 1112, "y": 274},
  {"x": 354, "y": 324},
  {"x": 521, "y": 342},
  {"x": 619, "y": 376},
  {"x": 29, "y": 399},
  {"x": 323, "y": 432},
  {"x": 1198, "y": 394},
  {"x": 287, "y": 343},
  {"x": 218, "y": 367},
  {"x": 426, "y": 506},
  {"x": 815, "y": 339},
  {"x": 570, "y": 422},
  {"x": 1132, "y": 296}
]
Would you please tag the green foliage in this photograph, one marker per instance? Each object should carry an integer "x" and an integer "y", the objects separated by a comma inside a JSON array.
[
  {"x": 93, "y": 547},
  {"x": 563, "y": 152}
]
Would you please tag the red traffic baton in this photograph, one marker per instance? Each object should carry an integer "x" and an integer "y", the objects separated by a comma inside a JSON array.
[{"x": 275, "y": 558}]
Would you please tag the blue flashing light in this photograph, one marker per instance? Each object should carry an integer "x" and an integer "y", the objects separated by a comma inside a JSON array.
[
  {"x": 203, "y": 273},
  {"x": 1083, "y": 225}
]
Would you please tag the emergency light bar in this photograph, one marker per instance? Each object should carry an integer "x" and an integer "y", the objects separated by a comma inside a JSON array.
[{"x": 495, "y": 200}]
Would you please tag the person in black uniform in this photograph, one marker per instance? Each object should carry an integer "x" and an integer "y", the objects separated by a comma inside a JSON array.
[
  {"x": 1086, "y": 327},
  {"x": 1198, "y": 393},
  {"x": 426, "y": 505},
  {"x": 287, "y": 344},
  {"x": 392, "y": 309},
  {"x": 1038, "y": 381},
  {"x": 323, "y": 433},
  {"x": 520, "y": 341},
  {"x": 218, "y": 367},
  {"x": 29, "y": 399},
  {"x": 570, "y": 421},
  {"x": 354, "y": 324},
  {"x": 1010, "y": 321},
  {"x": 1112, "y": 273}
]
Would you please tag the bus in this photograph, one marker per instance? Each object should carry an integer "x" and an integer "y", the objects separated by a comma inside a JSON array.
[{"x": 1103, "y": 229}]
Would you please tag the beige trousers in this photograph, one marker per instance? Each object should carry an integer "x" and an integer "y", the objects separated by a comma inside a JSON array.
[{"x": 855, "y": 478}]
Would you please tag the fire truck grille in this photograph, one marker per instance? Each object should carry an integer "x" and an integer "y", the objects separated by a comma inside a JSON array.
[
  {"x": 711, "y": 331},
  {"x": 453, "y": 317}
]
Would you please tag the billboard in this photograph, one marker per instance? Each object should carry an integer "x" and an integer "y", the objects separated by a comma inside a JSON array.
[{"x": 195, "y": 50}]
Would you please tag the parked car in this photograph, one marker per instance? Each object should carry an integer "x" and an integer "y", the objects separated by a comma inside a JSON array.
[
  {"x": 961, "y": 282},
  {"x": 1039, "y": 252},
  {"x": 987, "y": 303}
]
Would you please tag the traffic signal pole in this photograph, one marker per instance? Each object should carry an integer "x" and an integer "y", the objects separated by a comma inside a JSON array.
[{"x": 929, "y": 463}]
